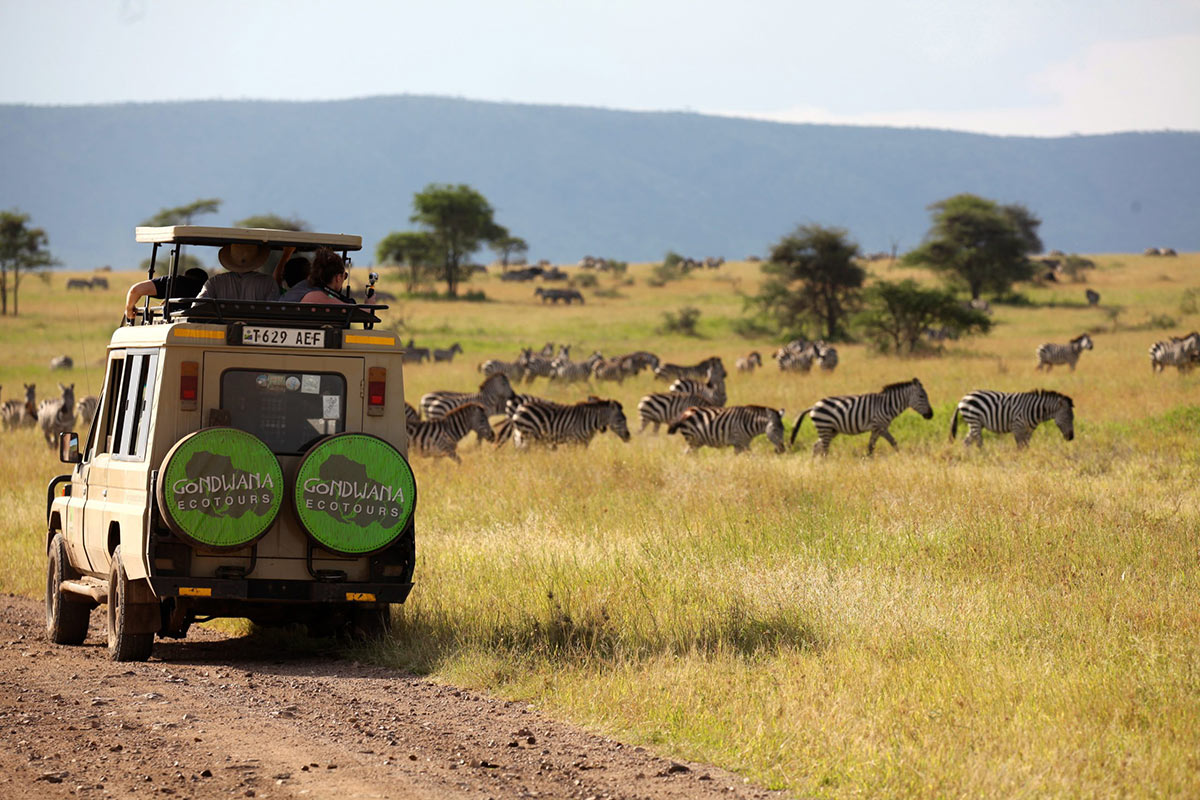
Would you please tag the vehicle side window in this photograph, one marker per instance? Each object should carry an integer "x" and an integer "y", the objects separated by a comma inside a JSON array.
[
  {"x": 133, "y": 415},
  {"x": 98, "y": 436}
]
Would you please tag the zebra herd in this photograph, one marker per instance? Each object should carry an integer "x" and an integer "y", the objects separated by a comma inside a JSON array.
[
  {"x": 54, "y": 415},
  {"x": 1181, "y": 352}
]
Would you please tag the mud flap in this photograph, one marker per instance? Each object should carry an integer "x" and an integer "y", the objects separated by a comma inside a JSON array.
[{"x": 144, "y": 611}]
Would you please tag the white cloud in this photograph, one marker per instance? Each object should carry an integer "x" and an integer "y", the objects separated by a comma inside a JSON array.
[{"x": 1151, "y": 84}]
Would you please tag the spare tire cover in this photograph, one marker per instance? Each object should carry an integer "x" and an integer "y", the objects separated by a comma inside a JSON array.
[
  {"x": 220, "y": 488},
  {"x": 354, "y": 493}
]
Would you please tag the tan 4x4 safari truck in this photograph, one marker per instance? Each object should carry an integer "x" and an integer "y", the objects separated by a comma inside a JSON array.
[{"x": 247, "y": 460}]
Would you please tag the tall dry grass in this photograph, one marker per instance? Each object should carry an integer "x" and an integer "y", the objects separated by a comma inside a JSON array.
[{"x": 927, "y": 623}]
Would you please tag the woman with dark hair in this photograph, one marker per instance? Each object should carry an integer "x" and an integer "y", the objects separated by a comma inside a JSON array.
[{"x": 327, "y": 277}]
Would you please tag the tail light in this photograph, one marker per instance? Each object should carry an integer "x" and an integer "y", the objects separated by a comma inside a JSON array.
[
  {"x": 376, "y": 391},
  {"x": 189, "y": 385}
]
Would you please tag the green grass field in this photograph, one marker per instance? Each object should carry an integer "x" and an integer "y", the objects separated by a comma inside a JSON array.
[{"x": 926, "y": 623}]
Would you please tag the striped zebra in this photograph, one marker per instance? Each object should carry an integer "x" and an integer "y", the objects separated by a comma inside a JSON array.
[
  {"x": 609, "y": 369},
  {"x": 510, "y": 369},
  {"x": 712, "y": 390},
  {"x": 729, "y": 427},
  {"x": 749, "y": 362},
  {"x": 1017, "y": 413},
  {"x": 797, "y": 355},
  {"x": 1181, "y": 353},
  {"x": 58, "y": 415},
  {"x": 827, "y": 356},
  {"x": 20, "y": 413},
  {"x": 492, "y": 395},
  {"x": 859, "y": 413},
  {"x": 1051, "y": 354},
  {"x": 665, "y": 408},
  {"x": 440, "y": 437},
  {"x": 504, "y": 429},
  {"x": 633, "y": 363},
  {"x": 411, "y": 415},
  {"x": 535, "y": 366},
  {"x": 573, "y": 371},
  {"x": 708, "y": 368},
  {"x": 87, "y": 409},
  {"x": 554, "y": 424},
  {"x": 447, "y": 354}
]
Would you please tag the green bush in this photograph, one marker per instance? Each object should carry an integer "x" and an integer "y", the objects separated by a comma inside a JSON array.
[{"x": 682, "y": 321}]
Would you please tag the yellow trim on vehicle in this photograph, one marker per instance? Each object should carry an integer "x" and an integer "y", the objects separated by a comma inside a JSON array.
[
  {"x": 195, "y": 591},
  {"x": 354, "y": 338},
  {"x": 360, "y": 597},
  {"x": 188, "y": 333}
]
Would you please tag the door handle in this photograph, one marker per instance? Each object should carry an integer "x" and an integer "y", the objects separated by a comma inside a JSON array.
[{"x": 104, "y": 492}]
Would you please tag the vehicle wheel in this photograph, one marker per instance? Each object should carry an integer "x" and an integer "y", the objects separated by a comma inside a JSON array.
[
  {"x": 66, "y": 616},
  {"x": 123, "y": 645}
]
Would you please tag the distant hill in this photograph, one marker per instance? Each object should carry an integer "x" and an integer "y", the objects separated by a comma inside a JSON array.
[{"x": 573, "y": 181}]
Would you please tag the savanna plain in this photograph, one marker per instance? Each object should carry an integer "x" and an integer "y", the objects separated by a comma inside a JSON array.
[{"x": 929, "y": 622}]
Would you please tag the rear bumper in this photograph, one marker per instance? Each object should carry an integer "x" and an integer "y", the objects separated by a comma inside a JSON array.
[{"x": 254, "y": 590}]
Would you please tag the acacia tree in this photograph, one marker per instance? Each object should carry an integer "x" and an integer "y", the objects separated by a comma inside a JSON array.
[
  {"x": 897, "y": 314},
  {"x": 183, "y": 215},
  {"x": 414, "y": 249},
  {"x": 460, "y": 220},
  {"x": 980, "y": 244},
  {"x": 507, "y": 246},
  {"x": 22, "y": 248},
  {"x": 811, "y": 274},
  {"x": 272, "y": 221}
]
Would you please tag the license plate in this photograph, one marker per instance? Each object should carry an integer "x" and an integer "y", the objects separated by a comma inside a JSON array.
[{"x": 282, "y": 337}]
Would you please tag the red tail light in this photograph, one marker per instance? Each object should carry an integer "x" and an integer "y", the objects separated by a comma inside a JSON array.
[
  {"x": 189, "y": 385},
  {"x": 376, "y": 391}
]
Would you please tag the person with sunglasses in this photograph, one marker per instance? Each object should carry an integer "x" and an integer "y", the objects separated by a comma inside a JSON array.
[{"x": 327, "y": 277}]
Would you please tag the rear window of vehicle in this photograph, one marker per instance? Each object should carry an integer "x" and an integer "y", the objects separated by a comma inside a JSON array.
[{"x": 287, "y": 410}]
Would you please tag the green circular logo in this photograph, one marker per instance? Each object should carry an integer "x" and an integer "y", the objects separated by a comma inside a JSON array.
[
  {"x": 354, "y": 493},
  {"x": 220, "y": 488}
]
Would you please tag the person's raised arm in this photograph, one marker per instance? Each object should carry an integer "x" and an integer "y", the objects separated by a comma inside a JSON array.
[{"x": 135, "y": 293}]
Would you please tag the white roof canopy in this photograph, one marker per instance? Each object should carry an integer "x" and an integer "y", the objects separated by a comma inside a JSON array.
[{"x": 207, "y": 235}]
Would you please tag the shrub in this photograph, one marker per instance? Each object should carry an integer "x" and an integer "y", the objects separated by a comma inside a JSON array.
[
  {"x": 682, "y": 321},
  {"x": 584, "y": 280}
]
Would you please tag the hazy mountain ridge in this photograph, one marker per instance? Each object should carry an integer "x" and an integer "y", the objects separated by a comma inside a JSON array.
[{"x": 573, "y": 181}]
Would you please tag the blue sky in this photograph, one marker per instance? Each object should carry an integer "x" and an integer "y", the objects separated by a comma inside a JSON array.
[{"x": 1021, "y": 67}]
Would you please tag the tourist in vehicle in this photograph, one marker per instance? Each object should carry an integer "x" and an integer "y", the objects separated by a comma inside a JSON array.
[
  {"x": 295, "y": 277},
  {"x": 327, "y": 278},
  {"x": 242, "y": 281},
  {"x": 188, "y": 284}
]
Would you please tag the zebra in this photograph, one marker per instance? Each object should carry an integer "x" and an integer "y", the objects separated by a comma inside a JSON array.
[
  {"x": 572, "y": 371},
  {"x": 447, "y": 355},
  {"x": 859, "y": 413},
  {"x": 708, "y": 368},
  {"x": 749, "y": 362},
  {"x": 414, "y": 354},
  {"x": 1181, "y": 353},
  {"x": 665, "y": 408},
  {"x": 535, "y": 366},
  {"x": 609, "y": 369},
  {"x": 511, "y": 369},
  {"x": 1093, "y": 297},
  {"x": 712, "y": 390},
  {"x": 58, "y": 415},
  {"x": 440, "y": 437},
  {"x": 633, "y": 363},
  {"x": 20, "y": 413},
  {"x": 492, "y": 394},
  {"x": 1013, "y": 412},
  {"x": 87, "y": 409},
  {"x": 62, "y": 362},
  {"x": 729, "y": 427},
  {"x": 411, "y": 415},
  {"x": 1051, "y": 354},
  {"x": 827, "y": 356},
  {"x": 504, "y": 429},
  {"x": 554, "y": 424}
]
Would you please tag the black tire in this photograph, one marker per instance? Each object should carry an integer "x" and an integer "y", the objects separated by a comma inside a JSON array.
[
  {"x": 66, "y": 616},
  {"x": 123, "y": 645}
]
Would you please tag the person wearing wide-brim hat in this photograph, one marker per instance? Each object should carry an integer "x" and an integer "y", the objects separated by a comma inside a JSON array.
[{"x": 242, "y": 281}]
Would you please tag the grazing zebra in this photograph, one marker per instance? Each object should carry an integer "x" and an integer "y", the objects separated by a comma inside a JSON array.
[
  {"x": 440, "y": 437},
  {"x": 633, "y": 363},
  {"x": 535, "y": 366},
  {"x": 58, "y": 415},
  {"x": 492, "y": 395},
  {"x": 1017, "y": 413},
  {"x": 1051, "y": 354},
  {"x": 62, "y": 362},
  {"x": 447, "y": 355},
  {"x": 827, "y": 356},
  {"x": 554, "y": 424},
  {"x": 1181, "y": 353},
  {"x": 20, "y": 413},
  {"x": 708, "y": 368},
  {"x": 665, "y": 408},
  {"x": 859, "y": 413},
  {"x": 87, "y": 409},
  {"x": 511, "y": 369},
  {"x": 712, "y": 390},
  {"x": 729, "y": 427},
  {"x": 749, "y": 362}
]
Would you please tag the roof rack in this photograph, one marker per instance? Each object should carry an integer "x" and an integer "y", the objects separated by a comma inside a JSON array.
[
  {"x": 210, "y": 235},
  {"x": 307, "y": 315}
]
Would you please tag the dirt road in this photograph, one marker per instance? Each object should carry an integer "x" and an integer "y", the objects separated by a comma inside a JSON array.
[{"x": 219, "y": 717}]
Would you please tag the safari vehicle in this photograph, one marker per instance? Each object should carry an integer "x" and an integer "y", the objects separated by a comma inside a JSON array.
[{"x": 247, "y": 460}]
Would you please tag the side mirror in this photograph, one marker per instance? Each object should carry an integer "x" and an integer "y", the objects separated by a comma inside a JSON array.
[{"x": 68, "y": 448}]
